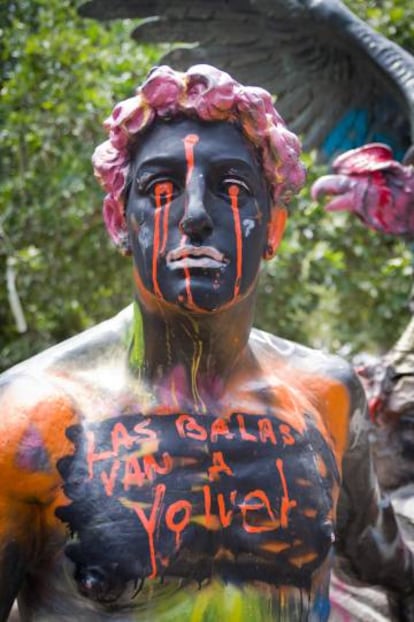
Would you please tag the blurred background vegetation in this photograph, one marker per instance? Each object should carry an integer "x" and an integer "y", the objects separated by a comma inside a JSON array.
[{"x": 334, "y": 284}]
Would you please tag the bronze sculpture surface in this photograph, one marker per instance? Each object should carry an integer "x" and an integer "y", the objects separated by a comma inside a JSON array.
[{"x": 179, "y": 464}]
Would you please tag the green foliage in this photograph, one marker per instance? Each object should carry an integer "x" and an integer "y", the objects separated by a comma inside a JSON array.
[
  {"x": 393, "y": 18},
  {"x": 61, "y": 76},
  {"x": 333, "y": 284}
]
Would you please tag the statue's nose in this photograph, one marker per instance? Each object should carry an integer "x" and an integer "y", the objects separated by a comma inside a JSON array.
[{"x": 196, "y": 222}]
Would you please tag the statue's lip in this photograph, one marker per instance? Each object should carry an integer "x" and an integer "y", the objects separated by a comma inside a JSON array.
[
  {"x": 195, "y": 257},
  {"x": 195, "y": 251}
]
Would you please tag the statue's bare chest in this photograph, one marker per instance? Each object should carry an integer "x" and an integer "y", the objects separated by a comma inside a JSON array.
[{"x": 193, "y": 496}]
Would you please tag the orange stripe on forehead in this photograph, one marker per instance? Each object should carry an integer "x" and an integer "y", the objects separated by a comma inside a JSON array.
[{"x": 189, "y": 143}]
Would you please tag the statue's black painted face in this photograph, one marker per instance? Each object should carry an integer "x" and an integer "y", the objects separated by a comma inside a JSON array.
[{"x": 197, "y": 214}]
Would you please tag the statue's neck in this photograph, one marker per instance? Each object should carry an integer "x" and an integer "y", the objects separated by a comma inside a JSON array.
[{"x": 192, "y": 355}]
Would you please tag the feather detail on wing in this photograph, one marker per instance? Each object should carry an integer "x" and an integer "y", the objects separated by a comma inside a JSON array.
[{"x": 338, "y": 83}]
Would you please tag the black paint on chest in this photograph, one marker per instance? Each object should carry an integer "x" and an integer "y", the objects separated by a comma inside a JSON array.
[{"x": 192, "y": 496}]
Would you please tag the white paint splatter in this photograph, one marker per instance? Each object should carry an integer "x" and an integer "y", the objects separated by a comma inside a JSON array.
[{"x": 248, "y": 225}]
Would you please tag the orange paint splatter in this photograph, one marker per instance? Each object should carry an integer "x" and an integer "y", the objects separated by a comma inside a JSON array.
[
  {"x": 165, "y": 217},
  {"x": 301, "y": 560},
  {"x": 303, "y": 482},
  {"x": 219, "y": 466},
  {"x": 183, "y": 508},
  {"x": 226, "y": 516},
  {"x": 256, "y": 501},
  {"x": 234, "y": 202},
  {"x": 323, "y": 471},
  {"x": 286, "y": 503},
  {"x": 150, "y": 523},
  {"x": 33, "y": 402},
  {"x": 190, "y": 142},
  {"x": 162, "y": 190},
  {"x": 275, "y": 547}
]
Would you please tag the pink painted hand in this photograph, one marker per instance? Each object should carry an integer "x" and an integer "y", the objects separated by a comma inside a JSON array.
[{"x": 368, "y": 182}]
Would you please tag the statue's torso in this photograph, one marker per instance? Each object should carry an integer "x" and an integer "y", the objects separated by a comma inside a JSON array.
[
  {"x": 168, "y": 506},
  {"x": 223, "y": 512}
]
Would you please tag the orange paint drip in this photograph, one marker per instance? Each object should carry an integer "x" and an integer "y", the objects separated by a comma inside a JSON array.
[
  {"x": 187, "y": 277},
  {"x": 166, "y": 188},
  {"x": 310, "y": 512},
  {"x": 234, "y": 202},
  {"x": 178, "y": 525},
  {"x": 155, "y": 252},
  {"x": 187, "y": 280},
  {"x": 161, "y": 190},
  {"x": 189, "y": 143},
  {"x": 150, "y": 523},
  {"x": 286, "y": 503},
  {"x": 275, "y": 547},
  {"x": 256, "y": 501},
  {"x": 301, "y": 560},
  {"x": 188, "y": 288},
  {"x": 207, "y": 505}
]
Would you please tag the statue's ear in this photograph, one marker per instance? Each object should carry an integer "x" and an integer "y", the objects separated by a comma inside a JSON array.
[{"x": 275, "y": 230}]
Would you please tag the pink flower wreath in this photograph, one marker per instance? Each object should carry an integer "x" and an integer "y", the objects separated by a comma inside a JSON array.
[{"x": 206, "y": 93}]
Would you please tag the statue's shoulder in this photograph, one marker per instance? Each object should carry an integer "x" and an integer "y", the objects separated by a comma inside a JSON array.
[
  {"x": 325, "y": 381},
  {"x": 51, "y": 377},
  {"x": 303, "y": 360},
  {"x": 41, "y": 398},
  {"x": 89, "y": 349}
]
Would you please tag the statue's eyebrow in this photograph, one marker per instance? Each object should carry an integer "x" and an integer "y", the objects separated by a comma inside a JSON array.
[
  {"x": 159, "y": 162},
  {"x": 171, "y": 163},
  {"x": 232, "y": 163}
]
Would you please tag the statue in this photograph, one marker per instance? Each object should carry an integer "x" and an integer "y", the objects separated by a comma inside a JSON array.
[
  {"x": 339, "y": 83},
  {"x": 371, "y": 184},
  {"x": 173, "y": 463},
  {"x": 390, "y": 393}
]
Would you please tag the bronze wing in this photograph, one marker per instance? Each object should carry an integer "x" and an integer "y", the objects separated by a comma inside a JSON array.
[{"x": 338, "y": 83}]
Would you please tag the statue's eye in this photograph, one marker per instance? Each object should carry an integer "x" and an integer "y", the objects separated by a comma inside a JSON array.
[
  {"x": 159, "y": 189},
  {"x": 229, "y": 182}
]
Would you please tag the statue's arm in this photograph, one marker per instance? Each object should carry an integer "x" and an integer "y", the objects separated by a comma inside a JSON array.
[
  {"x": 371, "y": 184},
  {"x": 15, "y": 516},
  {"x": 12, "y": 571},
  {"x": 367, "y": 530},
  {"x": 34, "y": 414}
]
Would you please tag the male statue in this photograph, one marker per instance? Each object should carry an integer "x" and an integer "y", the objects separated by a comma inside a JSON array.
[{"x": 176, "y": 464}]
